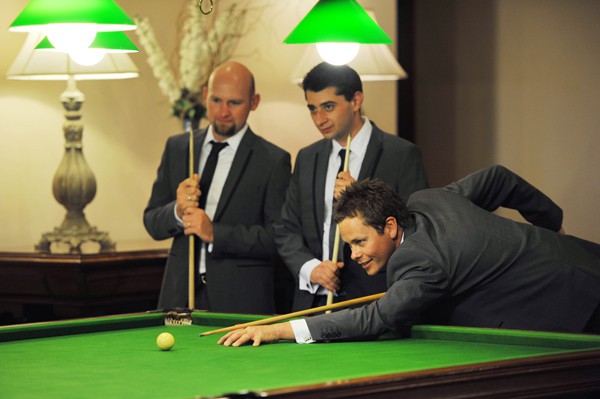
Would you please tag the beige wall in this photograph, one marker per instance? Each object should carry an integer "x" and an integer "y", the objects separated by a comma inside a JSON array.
[
  {"x": 127, "y": 122},
  {"x": 506, "y": 81},
  {"x": 514, "y": 82}
]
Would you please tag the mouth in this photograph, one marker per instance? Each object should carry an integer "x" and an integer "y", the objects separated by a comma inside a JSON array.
[
  {"x": 326, "y": 130},
  {"x": 367, "y": 264}
]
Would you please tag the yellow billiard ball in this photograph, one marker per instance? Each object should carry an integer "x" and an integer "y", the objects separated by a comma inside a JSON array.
[{"x": 165, "y": 341}]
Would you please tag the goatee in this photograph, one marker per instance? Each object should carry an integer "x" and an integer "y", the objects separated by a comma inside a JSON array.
[{"x": 227, "y": 132}]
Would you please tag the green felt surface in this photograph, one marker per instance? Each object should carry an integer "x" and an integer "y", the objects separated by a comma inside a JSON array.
[{"x": 127, "y": 363}]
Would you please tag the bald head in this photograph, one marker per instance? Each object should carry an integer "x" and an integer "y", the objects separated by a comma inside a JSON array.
[
  {"x": 234, "y": 73},
  {"x": 229, "y": 97}
]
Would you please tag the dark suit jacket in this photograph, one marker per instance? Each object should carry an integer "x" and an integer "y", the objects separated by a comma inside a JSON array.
[
  {"x": 299, "y": 233},
  {"x": 460, "y": 264},
  {"x": 239, "y": 270}
]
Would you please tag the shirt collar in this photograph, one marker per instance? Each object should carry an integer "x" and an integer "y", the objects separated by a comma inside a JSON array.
[
  {"x": 233, "y": 141},
  {"x": 358, "y": 144}
]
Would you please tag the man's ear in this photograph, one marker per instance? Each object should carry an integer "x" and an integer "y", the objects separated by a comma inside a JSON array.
[
  {"x": 254, "y": 101},
  {"x": 204, "y": 94},
  {"x": 357, "y": 100},
  {"x": 391, "y": 227}
]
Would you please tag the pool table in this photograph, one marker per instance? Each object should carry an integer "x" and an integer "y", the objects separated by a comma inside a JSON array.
[{"x": 116, "y": 356}]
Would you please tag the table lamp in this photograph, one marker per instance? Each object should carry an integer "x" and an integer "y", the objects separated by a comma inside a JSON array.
[
  {"x": 337, "y": 27},
  {"x": 74, "y": 184},
  {"x": 71, "y": 24},
  {"x": 374, "y": 62}
]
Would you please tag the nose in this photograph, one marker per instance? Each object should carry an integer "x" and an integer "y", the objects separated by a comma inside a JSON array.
[
  {"x": 224, "y": 109},
  {"x": 320, "y": 117},
  {"x": 354, "y": 253}
]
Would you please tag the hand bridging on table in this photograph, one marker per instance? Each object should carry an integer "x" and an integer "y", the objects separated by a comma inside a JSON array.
[
  {"x": 257, "y": 335},
  {"x": 327, "y": 274}
]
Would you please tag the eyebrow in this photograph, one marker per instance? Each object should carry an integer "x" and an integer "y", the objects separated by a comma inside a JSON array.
[{"x": 323, "y": 104}]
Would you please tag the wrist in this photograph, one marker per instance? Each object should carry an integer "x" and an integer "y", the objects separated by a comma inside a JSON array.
[{"x": 284, "y": 331}]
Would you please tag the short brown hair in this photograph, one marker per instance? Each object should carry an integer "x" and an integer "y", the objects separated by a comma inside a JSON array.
[{"x": 375, "y": 201}]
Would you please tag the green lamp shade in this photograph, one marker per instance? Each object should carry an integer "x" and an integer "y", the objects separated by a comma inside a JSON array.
[
  {"x": 337, "y": 21},
  {"x": 105, "y": 14},
  {"x": 111, "y": 42}
]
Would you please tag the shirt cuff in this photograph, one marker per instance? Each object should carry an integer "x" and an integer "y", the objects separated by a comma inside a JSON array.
[
  {"x": 179, "y": 221},
  {"x": 304, "y": 283},
  {"x": 301, "y": 332}
]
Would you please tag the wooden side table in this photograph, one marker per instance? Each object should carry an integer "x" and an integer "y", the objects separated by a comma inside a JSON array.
[{"x": 41, "y": 287}]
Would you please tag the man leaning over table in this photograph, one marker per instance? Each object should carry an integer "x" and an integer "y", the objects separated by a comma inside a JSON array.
[{"x": 451, "y": 261}]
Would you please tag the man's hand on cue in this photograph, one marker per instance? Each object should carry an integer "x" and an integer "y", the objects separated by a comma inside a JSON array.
[
  {"x": 342, "y": 181},
  {"x": 257, "y": 335},
  {"x": 188, "y": 193},
  {"x": 196, "y": 221},
  {"x": 327, "y": 274}
]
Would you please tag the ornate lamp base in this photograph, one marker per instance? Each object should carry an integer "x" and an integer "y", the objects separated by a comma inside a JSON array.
[
  {"x": 74, "y": 187},
  {"x": 73, "y": 239}
]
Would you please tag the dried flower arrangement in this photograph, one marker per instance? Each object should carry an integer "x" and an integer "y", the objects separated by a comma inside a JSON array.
[{"x": 204, "y": 41}]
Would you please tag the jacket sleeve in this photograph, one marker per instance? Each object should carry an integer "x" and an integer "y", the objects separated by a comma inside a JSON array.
[
  {"x": 159, "y": 217},
  {"x": 419, "y": 283},
  {"x": 497, "y": 186},
  {"x": 289, "y": 238}
]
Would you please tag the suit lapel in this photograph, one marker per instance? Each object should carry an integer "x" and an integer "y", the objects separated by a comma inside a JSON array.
[
  {"x": 240, "y": 162},
  {"x": 374, "y": 149},
  {"x": 199, "y": 136},
  {"x": 320, "y": 164}
]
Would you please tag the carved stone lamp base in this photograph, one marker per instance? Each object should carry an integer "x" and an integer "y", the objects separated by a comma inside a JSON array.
[{"x": 71, "y": 241}]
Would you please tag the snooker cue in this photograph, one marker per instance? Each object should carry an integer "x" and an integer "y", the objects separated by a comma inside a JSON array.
[
  {"x": 191, "y": 266},
  {"x": 299, "y": 313},
  {"x": 336, "y": 240}
]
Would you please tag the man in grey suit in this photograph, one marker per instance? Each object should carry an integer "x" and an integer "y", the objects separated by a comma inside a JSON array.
[
  {"x": 451, "y": 261},
  {"x": 304, "y": 235},
  {"x": 233, "y": 219}
]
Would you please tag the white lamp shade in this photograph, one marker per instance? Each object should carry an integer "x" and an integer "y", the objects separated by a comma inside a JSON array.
[{"x": 32, "y": 64}]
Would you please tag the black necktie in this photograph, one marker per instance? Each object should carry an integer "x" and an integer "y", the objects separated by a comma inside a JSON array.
[
  {"x": 342, "y": 158},
  {"x": 209, "y": 171}
]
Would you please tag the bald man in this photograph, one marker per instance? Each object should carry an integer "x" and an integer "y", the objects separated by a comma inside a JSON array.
[{"x": 231, "y": 215}]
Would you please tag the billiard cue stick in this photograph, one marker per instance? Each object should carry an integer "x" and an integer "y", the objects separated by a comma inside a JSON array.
[
  {"x": 336, "y": 239},
  {"x": 300, "y": 313},
  {"x": 191, "y": 265}
]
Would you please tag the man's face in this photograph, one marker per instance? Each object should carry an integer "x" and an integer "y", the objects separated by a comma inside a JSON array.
[
  {"x": 228, "y": 104},
  {"x": 332, "y": 114},
  {"x": 370, "y": 249}
]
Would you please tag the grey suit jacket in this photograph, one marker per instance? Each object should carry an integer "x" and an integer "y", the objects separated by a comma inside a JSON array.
[
  {"x": 299, "y": 233},
  {"x": 239, "y": 269},
  {"x": 460, "y": 264}
]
